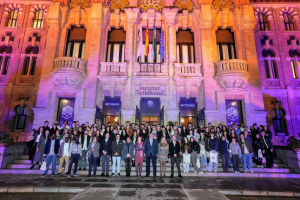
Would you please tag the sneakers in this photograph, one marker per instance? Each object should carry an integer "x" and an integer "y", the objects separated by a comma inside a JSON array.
[
  {"x": 250, "y": 171},
  {"x": 180, "y": 177},
  {"x": 31, "y": 167},
  {"x": 76, "y": 175},
  {"x": 246, "y": 171},
  {"x": 196, "y": 172},
  {"x": 209, "y": 172},
  {"x": 79, "y": 169},
  {"x": 44, "y": 175},
  {"x": 84, "y": 168},
  {"x": 112, "y": 175},
  {"x": 235, "y": 172},
  {"x": 68, "y": 176},
  {"x": 118, "y": 175},
  {"x": 201, "y": 172},
  {"x": 102, "y": 175}
]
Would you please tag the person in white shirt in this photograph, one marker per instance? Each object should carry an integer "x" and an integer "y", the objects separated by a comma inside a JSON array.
[
  {"x": 63, "y": 154},
  {"x": 84, "y": 141}
]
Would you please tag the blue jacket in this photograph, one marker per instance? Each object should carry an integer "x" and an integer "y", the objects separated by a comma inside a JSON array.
[
  {"x": 48, "y": 146},
  {"x": 105, "y": 147},
  {"x": 151, "y": 149},
  {"x": 224, "y": 147}
]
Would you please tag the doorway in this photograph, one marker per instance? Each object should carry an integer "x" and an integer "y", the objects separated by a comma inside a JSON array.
[
  {"x": 111, "y": 119},
  {"x": 186, "y": 120},
  {"x": 151, "y": 120}
]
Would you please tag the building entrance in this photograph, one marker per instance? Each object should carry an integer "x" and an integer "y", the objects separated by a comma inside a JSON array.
[{"x": 149, "y": 111}]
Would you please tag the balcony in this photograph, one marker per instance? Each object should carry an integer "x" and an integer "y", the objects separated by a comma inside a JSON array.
[
  {"x": 26, "y": 80},
  {"x": 150, "y": 69},
  {"x": 187, "y": 70},
  {"x": 68, "y": 72},
  {"x": 232, "y": 74},
  {"x": 113, "y": 69}
]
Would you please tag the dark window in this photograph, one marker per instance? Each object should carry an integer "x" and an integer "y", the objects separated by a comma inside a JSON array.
[
  {"x": 225, "y": 44},
  {"x": 5, "y": 65},
  {"x": 13, "y": 18},
  {"x": 279, "y": 125},
  {"x": 38, "y": 19},
  {"x": 116, "y": 45},
  {"x": 185, "y": 46},
  {"x": 263, "y": 22},
  {"x": 76, "y": 42},
  {"x": 26, "y": 65},
  {"x": 288, "y": 22},
  {"x": 20, "y": 117},
  {"x": 267, "y": 68}
]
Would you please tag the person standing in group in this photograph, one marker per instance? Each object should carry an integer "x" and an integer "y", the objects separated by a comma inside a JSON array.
[
  {"x": 174, "y": 148},
  {"x": 194, "y": 151},
  {"x": 236, "y": 153},
  {"x": 211, "y": 146},
  {"x": 247, "y": 153},
  {"x": 84, "y": 141},
  {"x": 203, "y": 154},
  {"x": 41, "y": 140},
  {"x": 93, "y": 155},
  {"x": 129, "y": 129},
  {"x": 106, "y": 153},
  {"x": 267, "y": 149},
  {"x": 224, "y": 150},
  {"x": 185, "y": 150},
  {"x": 258, "y": 151},
  {"x": 150, "y": 153},
  {"x": 64, "y": 155},
  {"x": 75, "y": 152},
  {"x": 128, "y": 155},
  {"x": 116, "y": 148},
  {"x": 139, "y": 155},
  {"x": 50, "y": 153},
  {"x": 163, "y": 155}
]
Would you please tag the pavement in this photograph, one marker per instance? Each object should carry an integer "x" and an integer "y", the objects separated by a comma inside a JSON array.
[{"x": 188, "y": 188}]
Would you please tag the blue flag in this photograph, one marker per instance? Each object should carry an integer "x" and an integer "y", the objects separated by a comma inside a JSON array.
[{"x": 161, "y": 46}]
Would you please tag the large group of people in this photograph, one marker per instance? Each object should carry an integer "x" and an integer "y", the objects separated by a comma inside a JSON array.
[{"x": 195, "y": 146}]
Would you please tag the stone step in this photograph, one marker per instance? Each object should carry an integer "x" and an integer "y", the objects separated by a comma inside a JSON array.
[{"x": 218, "y": 174}]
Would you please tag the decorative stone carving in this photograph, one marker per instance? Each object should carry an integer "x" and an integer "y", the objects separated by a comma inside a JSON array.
[
  {"x": 68, "y": 72},
  {"x": 156, "y": 4},
  {"x": 220, "y": 4},
  {"x": 81, "y": 3},
  {"x": 184, "y": 5},
  {"x": 232, "y": 74},
  {"x": 11, "y": 7},
  {"x": 119, "y": 4}
]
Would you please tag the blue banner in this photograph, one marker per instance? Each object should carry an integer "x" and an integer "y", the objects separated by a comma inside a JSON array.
[
  {"x": 112, "y": 106},
  {"x": 150, "y": 106},
  {"x": 66, "y": 111},
  {"x": 234, "y": 112},
  {"x": 188, "y": 107}
]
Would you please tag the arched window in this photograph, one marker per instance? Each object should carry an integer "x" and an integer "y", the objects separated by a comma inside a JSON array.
[
  {"x": 225, "y": 44},
  {"x": 185, "y": 46},
  {"x": 288, "y": 22},
  {"x": 38, "y": 19},
  {"x": 295, "y": 63},
  {"x": 270, "y": 64},
  {"x": 279, "y": 120},
  {"x": 20, "y": 117},
  {"x": 30, "y": 60},
  {"x": 13, "y": 18},
  {"x": 263, "y": 22},
  {"x": 76, "y": 42},
  {"x": 4, "y": 58}
]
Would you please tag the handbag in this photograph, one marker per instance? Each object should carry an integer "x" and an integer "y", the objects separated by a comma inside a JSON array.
[
  {"x": 43, "y": 167},
  {"x": 198, "y": 163},
  {"x": 260, "y": 155},
  {"x": 213, "y": 157}
]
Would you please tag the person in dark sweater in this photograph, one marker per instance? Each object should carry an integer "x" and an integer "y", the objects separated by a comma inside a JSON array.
[
  {"x": 225, "y": 154},
  {"x": 211, "y": 146},
  {"x": 116, "y": 148}
]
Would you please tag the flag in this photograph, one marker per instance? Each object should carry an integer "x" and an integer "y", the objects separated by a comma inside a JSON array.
[
  {"x": 154, "y": 43},
  {"x": 147, "y": 42},
  {"x": 161, "y": 45},
  {"x": 140, "y": 44}
]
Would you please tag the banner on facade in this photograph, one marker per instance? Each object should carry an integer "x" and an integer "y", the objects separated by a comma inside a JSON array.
[
  {"x": 112, "y": 106},
  {"x": 66, "y": 111},
  {"x": 234, "y": 113},
  {"x": 150, "y": 106},
  {"x": 151, "y": 90},
  {"x": 188, "y": 107}
]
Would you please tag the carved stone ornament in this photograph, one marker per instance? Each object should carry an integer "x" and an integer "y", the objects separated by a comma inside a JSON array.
[
  {"x": 184, "y": 5},
  {"x": 81, "y": 3},
  {"x": 156, "y": 4},
  {"x": 120, "y": 4},
  {"x": 220, "y": 4}
]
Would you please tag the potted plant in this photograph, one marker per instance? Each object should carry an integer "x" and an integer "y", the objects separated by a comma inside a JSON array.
[
  {"x": 5, "y": 140},
  {"x": 293, "y": 143},
  {"x": 170, "y": 123}
]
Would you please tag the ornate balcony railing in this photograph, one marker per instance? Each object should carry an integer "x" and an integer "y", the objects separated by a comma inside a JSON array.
[
  {"x": 151, "y": 69},
  {"x": 232, "y": 74},
  {"x": 113, "y": 68},
  {"x": 188, "y": 70},
  {"x": 68, "y": 72}
]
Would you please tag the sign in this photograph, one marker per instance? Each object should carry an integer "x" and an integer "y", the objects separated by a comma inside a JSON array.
[
  {"x": 112, "y": 106},
  {"x": 234, "y": 112},
  {"x": 151, "y": 90},
  {"x": 150, "y": 106},
  {"x": 66, "y": 111},
  {"x": 188, "y": 107}
]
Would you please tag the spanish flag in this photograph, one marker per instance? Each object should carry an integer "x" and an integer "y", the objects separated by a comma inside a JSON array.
[{"x": 147, "y": 42}]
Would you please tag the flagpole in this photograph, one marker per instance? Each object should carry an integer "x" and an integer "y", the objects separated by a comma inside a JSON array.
[
  {"x": 148, "y": 46},
  {"x": 159, "y": 45},
  {"x": 140, "y": 55}
]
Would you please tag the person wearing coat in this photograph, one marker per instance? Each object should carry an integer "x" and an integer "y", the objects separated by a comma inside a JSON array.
[
  {"x": 128, "y": 155},
  {"x": 174, "y": 148},
  {"x": 50, "y": 153},
  {"x": 139, "y": 155},
  {"x": 31, "y": 145},
  {"x": 75, "y": 153},
  {"x": 151, "y": 153},
  {"x": 38, "y": 156},
  {"x": 194, "y": 150},
  {"x": 258, "y": 150},
  {"x": 224, "y": 153},
  {"x": 106, "y": 154},
  {"x": 185, "y": 150},
  {"x": 116, "y": 148},
  {"x": 247, "y": 153},
  {"x": 236, "y": 153},
  {"x": 93, "y": 155},
  {"x": 64, "y": 155},
  {"x": 267, "y": 146}
]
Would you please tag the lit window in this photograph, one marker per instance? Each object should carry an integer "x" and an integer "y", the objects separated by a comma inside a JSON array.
[
  {"x": 270, "y": 64},
  {"x": 225, "y": 44},
  {"x": 263, "y": 22},
  {"x": 185, "y": 46},
  {"x": 4, "y": 59},
  {"x": 116, "y": 45},
  {"x": 13, "y": 18},
  {"x": 38, "y": 19},
  {"x": 288, "y": 22},
  {"x": 295, "y": 63},
  {"x": 76, "y": 42}
]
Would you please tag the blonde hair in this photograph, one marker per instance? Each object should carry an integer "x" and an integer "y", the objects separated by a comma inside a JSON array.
[{"x": 162, "y": 144}]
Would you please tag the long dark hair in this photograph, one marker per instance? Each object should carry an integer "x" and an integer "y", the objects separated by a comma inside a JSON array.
[{"x": 43, "y": 132}]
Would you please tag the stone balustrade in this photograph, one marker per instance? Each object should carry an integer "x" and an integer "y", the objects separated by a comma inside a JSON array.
[
  {"x": 113, "y": 68},
  {"x": 232, "y": 74},
  {"x": 150, "y": 69},
  {"x": 68, "y": 72},
  {"x": 188, "y": 69}
]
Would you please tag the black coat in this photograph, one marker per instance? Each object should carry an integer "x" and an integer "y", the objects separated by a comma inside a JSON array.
[
  {"x": 161, "y": 135},
  {"x": 194, "y": 146},
  {"x": 48, "y": 146},
  {"x": 105, "y": 146},
  {"x": 174, "y": 150}
]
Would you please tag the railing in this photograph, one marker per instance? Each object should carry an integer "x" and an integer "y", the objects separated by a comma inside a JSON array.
[
  {"x": 232, "y": 65},
  {"x": 150, "y": 68},
  {"x": 69, "y": 62},
  {"x": 113, "y": 68},
  {"x": 188, "y": 69}
]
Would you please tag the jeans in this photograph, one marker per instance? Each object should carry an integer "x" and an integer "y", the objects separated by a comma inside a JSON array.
[
  {"x": 225, "y": 161},
  {"x": 105, "y": 164},
  {"x": 50, "y": 158},
  {"x": 186, "y": 162},
  {"x": 74, "y": 159},
  {"x": 128, "y": 166},
  {"x": 83, "y": 158},
  {"x": 118, "y": 160},
  {"x": 203, "y": 160},
  {"x": 247, "y": 161},
  {"x": 236, "y": 163},
  {"x": 212, "y": 166},
  {"x": 93, "y": 161}
]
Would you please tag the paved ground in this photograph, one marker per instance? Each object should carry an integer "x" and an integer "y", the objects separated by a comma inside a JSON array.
[
  {"x": 259, "y": 198},
  {"x": 35, "y": 196},
  {"x": 150, "y": 188}
]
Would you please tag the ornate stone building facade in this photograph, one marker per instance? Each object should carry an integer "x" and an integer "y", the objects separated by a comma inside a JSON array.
[{"x": 62, "y": 60}]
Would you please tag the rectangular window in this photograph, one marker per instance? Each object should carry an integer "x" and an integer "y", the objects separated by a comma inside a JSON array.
[
  {"x": 225, "y": 52},
  {"x": 5, "y": 65},
  {"x": 218, "y": 49},
  {"x": 267, "y": 69},
  {"x": 192, "y": 54},
  {"x": 108, "y": 53},
  {"x": 234, "y": 112},
  {"x": 116, "y": 52},
  {"x": 178, "y": 54},
  {"x": 185, "y": 53},
  {"x": 294, "y": 69},
  {"x": 82, "y": 50},
  {"x": 279, "y": 125},
  {"x": 33, "y": 64},
  {"x": 26, "y": 65},
  {"x": 76, "y": 49},
  {"x": 273, "y": 68}
]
